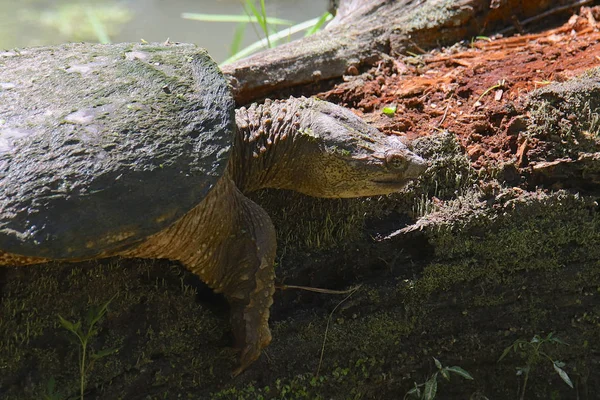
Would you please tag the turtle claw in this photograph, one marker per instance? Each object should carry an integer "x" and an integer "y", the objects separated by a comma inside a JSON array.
[
  {"x": 251, "y": 288},
  {"x": 237, "y": 371},
  {"x": 249, "y": 354},
  {"x": 252, "y": 334}
]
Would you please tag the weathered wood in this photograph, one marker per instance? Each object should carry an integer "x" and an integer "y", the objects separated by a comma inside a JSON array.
[{"x": 364, "y": 31}]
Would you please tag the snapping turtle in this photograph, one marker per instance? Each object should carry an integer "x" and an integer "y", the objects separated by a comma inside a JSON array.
[{"x": 136, "y": 150}]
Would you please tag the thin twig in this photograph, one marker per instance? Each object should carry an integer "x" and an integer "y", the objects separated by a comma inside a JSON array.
[
  {"x": 418, "y": 47},
  {"x": 318, "y": 290},
  {"x": 545, "y": 14},
  {"x": 444, "y": 117},
  {"x": 327, "y": 327}
]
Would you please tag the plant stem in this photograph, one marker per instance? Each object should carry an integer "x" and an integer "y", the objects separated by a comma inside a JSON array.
[
  {"x": 82, "y": 367},
  {"x": 524, "y": 385},
  {"x": 263, "y": 12}
]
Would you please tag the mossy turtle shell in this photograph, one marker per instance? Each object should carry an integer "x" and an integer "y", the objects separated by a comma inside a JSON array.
[{"x": 102, "y": 146}]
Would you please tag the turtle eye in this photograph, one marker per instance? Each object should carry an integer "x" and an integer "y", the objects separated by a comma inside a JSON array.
[{"x": 395, "y": 160}]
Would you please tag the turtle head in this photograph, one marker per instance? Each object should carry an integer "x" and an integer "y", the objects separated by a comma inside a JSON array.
[{"x": 342, "y": 156}]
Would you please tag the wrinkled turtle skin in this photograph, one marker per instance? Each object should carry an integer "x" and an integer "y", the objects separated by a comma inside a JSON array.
[{"x": 132, "y": 150}]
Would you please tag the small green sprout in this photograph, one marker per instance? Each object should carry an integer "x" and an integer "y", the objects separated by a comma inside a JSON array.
[
  {"x": 84, "y": 335},
  {"x": 500, "y": 85},
  {"x": 390, "y": 111},
  {"x": 428, "y": 390},
  {"x": 50, "y": 391},
  {"x": 531, "y": 350}
]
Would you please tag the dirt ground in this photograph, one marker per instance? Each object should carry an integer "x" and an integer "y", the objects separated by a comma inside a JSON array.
[{"x": 476, "y": 90}]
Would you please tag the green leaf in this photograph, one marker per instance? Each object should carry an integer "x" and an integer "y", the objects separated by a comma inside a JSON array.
[
  {"x": 414, "y": 391},
  {"x": 438, "y": 364},
  {"x": 91, "y": 314},
  {"x": 253, "y": 10},
  {"x": 66, "y": 324},
  {"x": 445, "y": 373},
  {"x": 563, "y": 375},
  {"x": 104, "y": 353},
  {"x": 260, "y": 18},
  {"x": 272, "y": 39},
  {"x": 430, "y": 388},
  {"x": 505, "y": 353},
  {"x": 50, "y": 390},
  {"x": 557, "y": 340},
  {"x": 77, "y": 328},
  {"x": 389, "y": 111},
  {"x": 461, "y": 372},
  {"x": 263, "y": 11},
  {"x": 102, "y": 310},
  {"x": 51, "y": 385}
]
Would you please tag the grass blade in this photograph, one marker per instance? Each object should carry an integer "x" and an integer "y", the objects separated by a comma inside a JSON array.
[
  {"x": 66, "y": 324},
  {"x": 97, "y": 26},
  {"x": 263, "y": 12},
  {"x": 316, "y": 27},
  {"x": 238, "y": 37},
  {"x": 233, "y": 18},
  {"x": 250, "y": 10},
  {"x": 273, "y": 38}
]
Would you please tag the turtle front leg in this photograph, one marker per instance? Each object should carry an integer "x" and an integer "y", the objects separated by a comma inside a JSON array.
[
  {"x": 249, "y": 285},
  {"x": 250, "y": 313},
  {"x": 229, "y": 242}
]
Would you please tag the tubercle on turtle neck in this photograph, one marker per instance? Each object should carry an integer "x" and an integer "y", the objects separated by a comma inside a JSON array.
[{"x": 266, "y": 144}]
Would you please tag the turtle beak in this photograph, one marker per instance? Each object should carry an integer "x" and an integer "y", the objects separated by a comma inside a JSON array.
[{"x": 400, "y": 166}]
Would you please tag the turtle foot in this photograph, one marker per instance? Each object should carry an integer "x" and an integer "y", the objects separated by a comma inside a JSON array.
[
  {"x": 252, "y": 348},
  {"x": 250, "y": 323}
]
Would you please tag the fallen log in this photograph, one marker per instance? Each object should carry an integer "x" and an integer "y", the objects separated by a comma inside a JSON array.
[{"x": 365, "y": 31}]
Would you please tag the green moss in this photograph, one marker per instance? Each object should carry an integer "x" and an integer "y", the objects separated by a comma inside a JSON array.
[
  {"x": 513, "y": 228},
  {"x": 567, "y": 116},
  {"x": 305, "y": 222},
  {"x": 492, "y": 237},
  {"x": 152, "y": 297},
  {"x": 449, "y": 170},
  {"x": 379, "y": 341},
  {"x": 344, "y": 379}
]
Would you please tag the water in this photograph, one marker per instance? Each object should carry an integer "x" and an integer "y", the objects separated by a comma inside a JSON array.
[{"x": 27, "y": 23}]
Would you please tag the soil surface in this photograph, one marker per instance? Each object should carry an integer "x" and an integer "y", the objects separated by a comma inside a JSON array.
[{"x": 475, "y": 90}]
